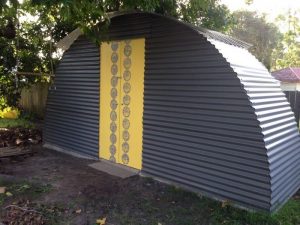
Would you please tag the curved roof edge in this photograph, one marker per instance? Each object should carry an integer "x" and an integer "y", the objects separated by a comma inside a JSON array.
[{"x": 67, "y": 41}]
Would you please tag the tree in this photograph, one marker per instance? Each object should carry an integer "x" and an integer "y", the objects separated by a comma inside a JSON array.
[
  {"x": 254, "y": 29},
  {"x": 216, "y": 17},
  {"x": 25, "y": 45},
  {"x": 87, "y": 14},
  {"x": 288, "y": 51},
  {"x": 7, "y": 57}
]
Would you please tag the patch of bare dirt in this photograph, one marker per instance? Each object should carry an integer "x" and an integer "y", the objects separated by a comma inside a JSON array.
[
  {"x": 83, "y": 192},
  {"x": 64, "y": 190},
  {"x": 83, "y": 195}
]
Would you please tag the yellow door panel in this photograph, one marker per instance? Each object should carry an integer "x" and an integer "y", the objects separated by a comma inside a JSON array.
[
  {"x": 121, "y": 101},
  {"x": 109, "y": 99},
  {"x": 132, "y": 93}
]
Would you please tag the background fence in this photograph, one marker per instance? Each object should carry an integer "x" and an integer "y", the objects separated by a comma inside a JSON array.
[
  {"x": 33, "y": 99},
  {"x": 294, "y": 99}
]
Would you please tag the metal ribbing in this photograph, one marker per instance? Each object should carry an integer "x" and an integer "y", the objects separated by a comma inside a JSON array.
[
  {"x": 200, "y": 130},
  {"x": 72, "y": 117},
  {"x": 276, "y": 119}
]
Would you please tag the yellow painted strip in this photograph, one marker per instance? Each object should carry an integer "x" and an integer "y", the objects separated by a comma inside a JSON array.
[
  {"x": 136, "y": 101},
  {"x": 105, "y": 103},
  {"x": 129, "y": 111}
]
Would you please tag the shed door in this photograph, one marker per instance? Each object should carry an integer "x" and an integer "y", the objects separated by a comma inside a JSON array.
[{"x": 121, "y": 101}]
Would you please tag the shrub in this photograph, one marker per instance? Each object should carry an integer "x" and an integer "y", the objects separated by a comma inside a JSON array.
[{"x": 9, "y": 113}]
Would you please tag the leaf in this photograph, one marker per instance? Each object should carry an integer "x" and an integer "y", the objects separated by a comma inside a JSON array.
[
  {"x": 9, "y": 194},
  {"x": 2, "y": 190},
  {"x": 78, "y": 211},
  {"x": 225, "y": 203},
  {"x": 23, "y": 187},
  {"x": 18, "y": 141},
  {"x": 101, "y": 221}
]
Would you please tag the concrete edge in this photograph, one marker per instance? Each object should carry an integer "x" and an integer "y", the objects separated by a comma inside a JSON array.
[
  {"x": 67, "y": 151},
  {"x": 133, "y": 170}
]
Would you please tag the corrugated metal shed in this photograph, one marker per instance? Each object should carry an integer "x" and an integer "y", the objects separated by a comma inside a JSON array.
[
  {"x": 276, "y": 120},
  {"x": 215, "y": 121},
  {"x": 72, "y": 114}
]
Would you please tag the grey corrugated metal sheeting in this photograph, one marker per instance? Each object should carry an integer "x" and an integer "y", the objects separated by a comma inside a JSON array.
[
  {"x": 276, "y": 120},
  {"x": 72, "y": 115},
  {"x": 215, "y": 121}
]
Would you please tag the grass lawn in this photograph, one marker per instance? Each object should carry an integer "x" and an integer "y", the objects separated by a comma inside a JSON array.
[
  {"x": 22, "y": 208},
  {"x": 23, "y": 188},
  {"x": 11, "y": 123},
  {"x": 288, "y": 215}
]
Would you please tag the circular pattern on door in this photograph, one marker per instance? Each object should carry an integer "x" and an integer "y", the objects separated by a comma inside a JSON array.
[
  {"x": 126, "y": 124},
  {"x": 126, "y": 87},
  {"x": 126, "y": 75},
  {"x": 114, "y": 46},
  {"x": 113, "y": 138},
  {"x": 114, "y": 69},
  {"x": 114, "y": 57},
  {"x": 127, "y": 50},
  {"x": 113, "y": 127},
  {"x": 125, "y": 158},
  {"x": 113, "y": 104},
  {"x": 112, "y": 149},
  {"x": 125, "y": 147},
  {"x": 113, "y": 92},
  {"x": 126, "y": 135},
  {"x": 126, "y": 100},
  {"x": 114, "y": 81},
  {"x": 127, "y": 63},
  {"x": 113, "y": 116},
  {"x": 126, "y": 111}
]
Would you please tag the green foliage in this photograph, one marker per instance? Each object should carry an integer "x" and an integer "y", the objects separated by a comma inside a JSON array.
[
  {"x": 12, "y": 123},
  {"x": 276, "y": 50},
  {"x": 9, "y": 94},
  {"x": 9, "y": 113},
  {"x": 217, "y": 17},
  {"x": 27, "y": 45},
  {"x": 287, "y": 53},
  {"x": 88, "y": 14},
  {"x": 254, "y": 29},
  {"x": 22, "y": 188},
  {"x": 2, "y": 103},
  {"x": 30, "y": 50},
  {"x": 288, "y": 215}
]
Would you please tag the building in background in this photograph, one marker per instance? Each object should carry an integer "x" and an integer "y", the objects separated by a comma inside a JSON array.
[{"x": 289, "y": 78}]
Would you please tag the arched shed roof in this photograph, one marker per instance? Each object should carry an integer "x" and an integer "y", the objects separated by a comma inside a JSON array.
[{"x": 67, "y": 41}]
